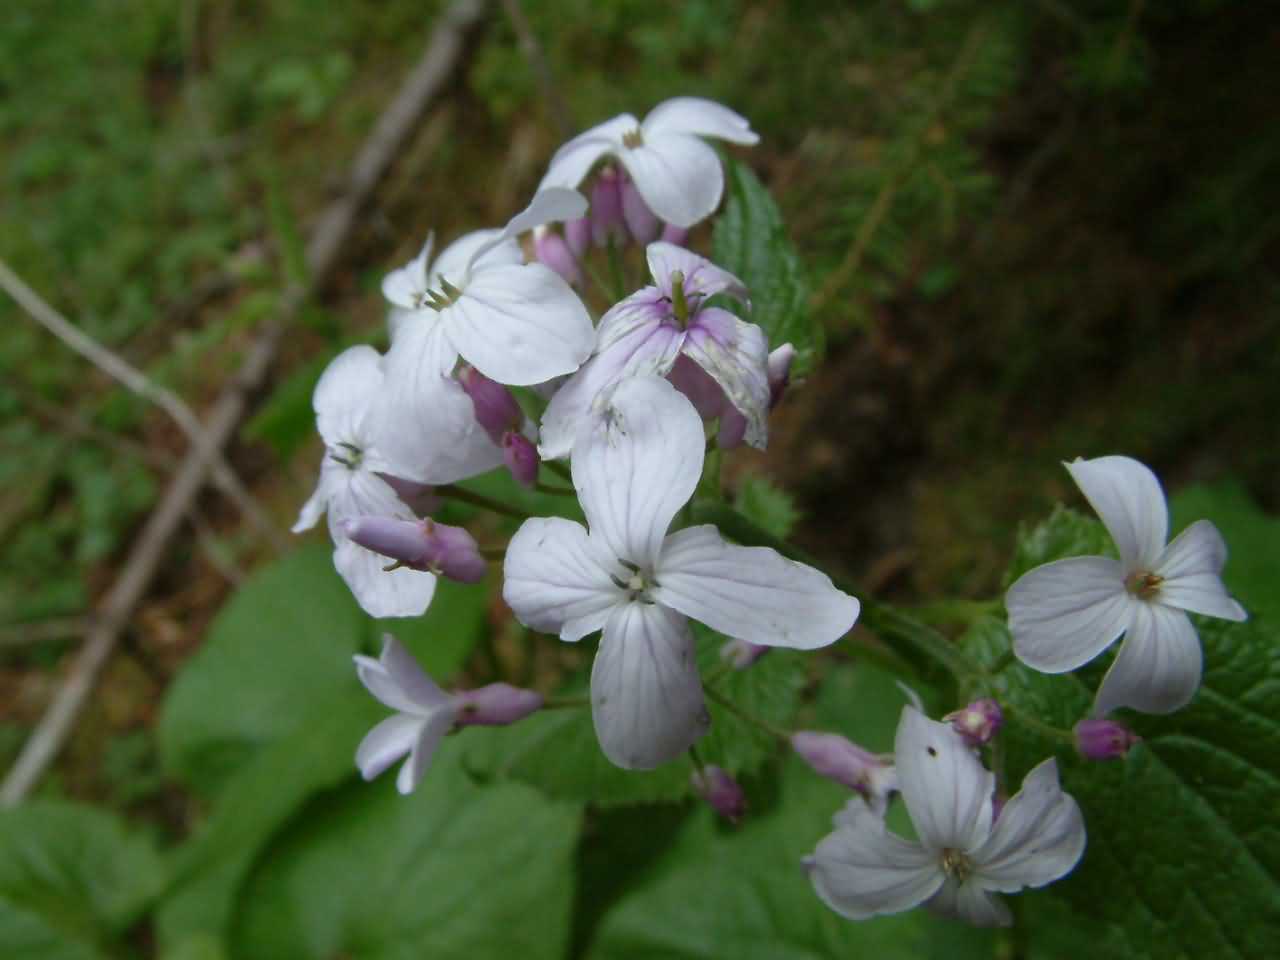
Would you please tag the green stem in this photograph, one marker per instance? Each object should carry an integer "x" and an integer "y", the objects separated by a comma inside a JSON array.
[
  {"x": 1044, "y": 729},
  {"x": 956, "y": 611},
  {"x": 555, "y": 489},
  {"x": 615, "y": 270},
  {"x": 493, "y": 553},
  {"x": 559, "y": 469},
  {"x": 565, "y": 703},
  {"x": 452, "y": 492},
  {"x": 737, "y": 711}
]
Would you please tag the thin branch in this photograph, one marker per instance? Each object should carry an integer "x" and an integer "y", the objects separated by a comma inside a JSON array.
[
  {"x": 391, "y": 133},
  {"x": 29, "y": 634}
]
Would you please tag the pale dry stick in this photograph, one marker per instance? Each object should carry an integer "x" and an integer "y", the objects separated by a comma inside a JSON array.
[
  {"x": 135, "y": 380},
  {"x": 29, "y": 634},
  {"x": 392, "y": 131}
]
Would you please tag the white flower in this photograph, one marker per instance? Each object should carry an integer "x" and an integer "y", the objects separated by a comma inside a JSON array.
[
  {"x": 633, "y": 469},
  {"x": 678, "y": 176},
  {"x": 1065, "y": 613},
  {"x": 424, "y": 714},
  {"x": 650, "y": 330},
  {"x": 962, "y": 856},
  {"x": 345, "y": 401}
]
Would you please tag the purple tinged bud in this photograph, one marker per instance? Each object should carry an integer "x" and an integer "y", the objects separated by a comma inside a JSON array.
[
  {"x": 495, "y": 705},
  {"x": 837, "y": 758},
  {"x": 421, "y": 545},
  {"x": 496, "y": 409},
  {"x": 606, "y": 209},
  {"x": 1104, "y": 739},
  {"x": 577, "y": 236},
  {"x": 641, "y": 221},
  {"x": 741, "y": 654},
  {"x": 673, "y": 234},
  {"x": 733, "y": 428},
  {"x": 721, "y": 791},
  {"x": 780, "y": 361},
  {"x": 978, "y": 722},
  {"x": 550, "y": 248},
  {"x": 521, "y": 458}
]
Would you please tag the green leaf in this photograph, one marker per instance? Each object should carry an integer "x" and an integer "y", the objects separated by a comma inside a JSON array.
[
  {"x": 1066, "y": 533},
  {"x": 750, "y": 240},
  {"x": 767, "y": 506},
  {"x": 287, "y": 419},
  {"x": 452, "y": 871},
  {"x": 72, "y": 880}
]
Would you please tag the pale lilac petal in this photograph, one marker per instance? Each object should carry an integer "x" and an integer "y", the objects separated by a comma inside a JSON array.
[
  {"x": 648, "y": 350},
  {"x": 704, "y": 393},
  {"x": 736, "y": 355},
  {"x": 548, "y": 205},
  {"x": 636, "y": 464},
  {"x": 382, "y": 593},
  {"x": 344, "y": 394},
  {"x": 1065, "y": 613},
  {"x": 420, "y": 353},
  {"x": 1128, "y": 499},
  {"x": 520, "y": 325},
  {"x": 556, "y": 581},
  {"x": 946, "y": 789},
  {"x": 1159, "y": 665},
  {"x": 701, "y": 276},
  {"x": 427, "y": 430},
  {"x": 396, "y": 680},
  {"x": 386, "y": 743},
  {"x": 317, "y": 503},
  {"x": 644, "y": 309},
  {"x": 862, "y": 870},
  {"x": 696, "y": 115},
  {"x": 573, "y": 161},
  {"x": 1192, "y": 570},
  {"x": 452, "y": 263},
  {"x": 678, "y": 176},
  {"x": 404, "y": 286},
  {"x": 646, "y": 697},
  {"x": 1038, "y": 837},
  {"x": 969, "y": 902},
  {"x": 433, "y": 731},
  {"x": 752, "y": 593}
]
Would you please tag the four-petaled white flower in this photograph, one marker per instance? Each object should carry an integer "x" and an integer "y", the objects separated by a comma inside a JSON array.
[
  {"x": 424, "y": 714},
  {"x": 965, "y": 853},
  {"x": 648, "y": 331},
  {"x": 1065, "y": 613},
  {"x": 634, "y": 468},
  {"x": 677, "y": 175}
]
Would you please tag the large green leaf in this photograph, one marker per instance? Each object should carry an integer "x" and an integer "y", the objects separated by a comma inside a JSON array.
[
  {"x": 750, "y": 240},
  {"x": 452, "y": 871},
  {"x": 72, "y": 880}
]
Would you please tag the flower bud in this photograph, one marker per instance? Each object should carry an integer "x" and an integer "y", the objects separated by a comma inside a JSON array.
[
  {"x": 640, "y": 220},
  {"x": 978, "y": 722},
  {"x": 496, "y": 409},
  {"x": 577, "y": 236},
  {"x": 552, "y": 249},
  {"x": 780, "y": 361},
  {"x": 495, "y": 705},
  {"x": 721, "y": 791},
  {"x": 521, "y": 457},
  {"x": 420, "y": 545},
  {"x": 1104, "y": 739},
  {"x": 836, "y": 758},
  {"x": 733, "y": 428},
  {"x": 606, "y": 209},
  {"x": 741, "y": 654},
  {"x": 674, "y": 234}
]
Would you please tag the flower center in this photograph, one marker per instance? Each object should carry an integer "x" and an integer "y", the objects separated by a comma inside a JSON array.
[
  {"x": 352, "y": 458},
  {"x": 437, "y": 300},
  {"x": 632, "y": 139},
  {"x": 1143, "y": 584},
  {"x": 956, "y": 864},
  {"x": 637, "y": 585}
]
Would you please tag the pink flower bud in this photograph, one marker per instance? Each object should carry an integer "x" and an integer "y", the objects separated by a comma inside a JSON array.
[
  {"x": 780, "y": 361},
  {"x": 836, "y": 758},
  {"x": 674, "y": 234},
  {"x": 577, "y": 236},
  {"x": 742, "y": 654},
  {"x": 421, "y": 545},
  {"x": 1104, "y": 739},
  {"x": 640, "y": 220},
  {"x": 978, "y": 722},
  {"x": 733, "y": 428},
  {"x": 550, "y": 248},
  {"x": 521, "y": 458},
  {"x": 606, "y": 209},
  {"x": 495, "y": 705},
  {"x": 721, "y": 791},
  {"x": 496, "y": 409}
]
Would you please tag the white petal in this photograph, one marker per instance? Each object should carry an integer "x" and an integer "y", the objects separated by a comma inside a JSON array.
[
  {"x": 862, "y": 869},
  {"x": 1038, "y": 837},
  {"x": 736, "y": 355},
  {"x": 646, "y": 308},
  {"x": 433, "y": 731},
  {"x": 452, "y": 263},
  {"x": 646, "y": 698},
  {"x": 946, "y": 789},
  {"x": 574, "y": 160},
  {"x": 637, "y": 464},
  {"x": 970, "y": 903},
  {"x": 556, "y": 581},
  {"x": 647, "y": 350},
  {"x": 1158, "y": 667},
  {"x": 398, "y": 593},
  {"x": 345, "y": 393},
  {"x": 548, "y": 205},
  {"x": 698, "y": 116},
  {"x": 402, "y": 286},
  {"x": 420, "y": 353},
  {"x": 678, "y": 176},
  {"x": 751, "y": 593},
  {"x": 701, "y": 276},
  {"x": 386, "y": 743},
  {"x": 1065, "y": 613},
  {"x": 1192, "y": 570},
  {"x": 520, "y": 325},
  {"x": 318, "y": 502},
  {"x": 1128, "y": 499}
]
